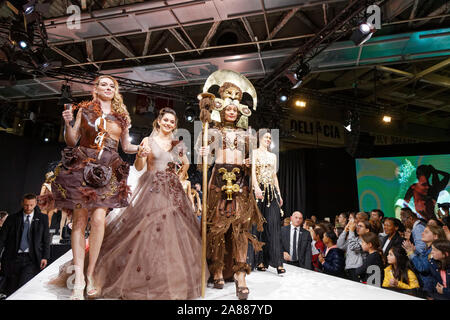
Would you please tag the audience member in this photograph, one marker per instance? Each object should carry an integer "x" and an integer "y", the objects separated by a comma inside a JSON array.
[
  {"x": 362, "y": 216},
  {"x": 351, "y": 244},
  {"x": 343, "y": 219},
  {"x": 440, "y": 269},
  {"x": 314, "y": 218},
  {"x": 333, "y": 261},
  {"x": 392, "y": 238},
  {"x": 286, "y": 221},
  {"x": 317, "y": 246},
  {"x": 421, "y": 262},
  {"x": 435, "y": 222},
  {"x": 407, "y": 234},
  {"x": 308, "y": 223},
  {"x": 398, "y": 276},
  {"x": 371, "y": 244},
  {"x": 338, "y": 231},
  {"x": 296, "y": 243},
  {"x": 26, "y": 240},
  {"x": 377, "y": 215},
  {"x": 410, "y": 220}
]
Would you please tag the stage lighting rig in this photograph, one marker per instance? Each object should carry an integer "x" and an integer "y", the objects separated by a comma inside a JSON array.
[
  {"x": 189, "y": 114},
  {"x": 302, "y": 70},
  {"x": 363, "y": 33}
]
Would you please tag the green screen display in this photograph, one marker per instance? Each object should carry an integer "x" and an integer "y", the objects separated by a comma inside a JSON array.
[{"x": 418, "y": 182}]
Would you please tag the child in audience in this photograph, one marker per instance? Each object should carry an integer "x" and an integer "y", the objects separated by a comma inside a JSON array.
[
  {"x": 371, "y": 245},
  {"x": 398, "y": 275},
  {"x": 440, "y": 269}
]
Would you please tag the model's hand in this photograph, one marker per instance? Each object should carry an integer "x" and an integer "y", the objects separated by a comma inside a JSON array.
[
  {"x": 258, "y": 193},
  {"x": 440, "y": 288},
  {"x": 204, "y": 151},
  {"x": 143, "y": 150},
  {"x": 286, "y": 256},
  {"x": 67, "y": 116},
  {"x": 281, "y": 202},
  {"x": 43, "y": 263}
]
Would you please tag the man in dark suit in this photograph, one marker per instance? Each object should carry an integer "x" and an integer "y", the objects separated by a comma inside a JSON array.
[
  {"x": 296, "y": 243},
  {"x": 26, "y": 242}
]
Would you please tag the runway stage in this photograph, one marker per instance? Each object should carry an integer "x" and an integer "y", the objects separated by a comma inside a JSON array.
[{"x": 295, "y": 284}]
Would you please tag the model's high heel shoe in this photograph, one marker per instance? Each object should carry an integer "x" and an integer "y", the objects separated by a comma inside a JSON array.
[
  {"x": 91, "y": 290},
  {"x": 281, "y": 270},
  {"x": 217, "y": 283},
  {"x": 78, "y": 291},
  {"x": 240, "y": 291},
  {"x": 261, "y": 267}
]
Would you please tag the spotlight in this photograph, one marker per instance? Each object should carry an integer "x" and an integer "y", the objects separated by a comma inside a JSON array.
[
  {"x": 363, "y": 33},
  {"x": 283, "y": 95},
  {"x": 351, "y": 121},
  {"x": 387, "y": 119},
  {"x": 19, "y": 38},
  {"x": 302, "y": 70},
  {"x": 300, "y": 103},
  {"x": 29, "y": 7},
  {"x": 189, "y": 114}
]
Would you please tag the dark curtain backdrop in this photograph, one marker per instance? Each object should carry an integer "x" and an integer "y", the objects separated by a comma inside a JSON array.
[
  {"x": 23, "y": 165},
  {"x": 320, "y": 182},
  {"x": 292, "y": 181}
]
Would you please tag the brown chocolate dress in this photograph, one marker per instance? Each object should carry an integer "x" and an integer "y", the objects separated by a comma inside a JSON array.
[
  {"x": 152, "y": 248},
  {"x": 90, "y": 176}
]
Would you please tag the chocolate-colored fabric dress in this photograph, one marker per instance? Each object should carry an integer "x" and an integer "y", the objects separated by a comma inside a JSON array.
[
  {"x": 92, "y": 174},
  {"x": 153, "y": 249},
  {"x": 230, "y": 216}
]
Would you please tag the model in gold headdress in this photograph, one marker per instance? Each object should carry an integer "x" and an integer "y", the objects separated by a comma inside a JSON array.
[{"x": 232, "y": 208}]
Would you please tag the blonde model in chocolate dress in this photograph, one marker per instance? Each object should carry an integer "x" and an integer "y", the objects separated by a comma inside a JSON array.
[{"x": 91, "y": 177}]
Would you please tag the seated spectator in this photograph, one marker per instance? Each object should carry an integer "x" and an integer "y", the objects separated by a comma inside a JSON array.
[
  {"x": 325, "y": 225},
  {"x": 342, "y": 219},
  {"x": 410, "y": 220},
  {"x": 407, "y": 234},
  {"x": 440, "y": 269},
  {"x": 317, "y": 246},
  {"x": 351, "y": 244},
  {"x": 371, "y": 244},
  {"x": 377, "y": 228},
  {"x": 286, "y": 221},
  {"x": 392, "y": 238},
  {"x": 308, "y": 223},
  {"x": 435, "y": 222},
  {"x": 338, "y": 231},
  {"x": 421, "y": 262},
  {"x": 314, "y": 218},
  {"x": 398, "y": 276},
  {"x": 377, "y": 215},
  {"x": 362, "y": 216},
  {"x": 333, "y": 261},
  {"x": 352, "y": 215}
]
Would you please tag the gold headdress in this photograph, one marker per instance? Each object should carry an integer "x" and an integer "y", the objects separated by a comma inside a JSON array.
[{"x": 219, "y": 78}]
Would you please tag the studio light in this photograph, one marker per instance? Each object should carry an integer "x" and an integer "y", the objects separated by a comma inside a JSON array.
[
  {"x": 300, "y": 103},
  {"x": 387, "y": 119},
  {"x": 283, "y": 95},
  {"x": 189, "y": 114},
  {"x": 29, "y": 7},
  {"x": 363, "y": 33},
  {"x": 302, "y": 70},
  {"x": 20, "y": 39}
]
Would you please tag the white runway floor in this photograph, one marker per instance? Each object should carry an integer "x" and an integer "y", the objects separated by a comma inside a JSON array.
[{"x": 295, "y": 284}]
